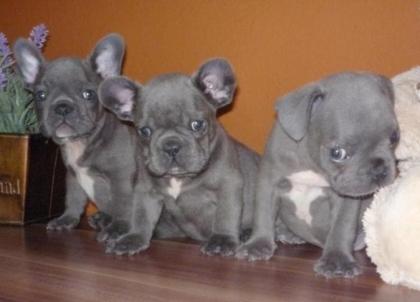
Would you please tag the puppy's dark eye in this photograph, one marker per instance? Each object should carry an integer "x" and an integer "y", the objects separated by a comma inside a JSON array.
[
  {"x": 197, "y": 125},
  {"x": 338, "y": 154},
  {"x": 89, "y": 94},
  {"x": 40, "y": 95},
  {"x": 395, "y": 137},
  {"x": 145, "y": 131}
]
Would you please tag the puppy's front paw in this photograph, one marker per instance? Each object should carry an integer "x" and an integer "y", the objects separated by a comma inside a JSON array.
[
  {"x": 223, "y": 245},
  {"x": 129, "y": 244},
  {"x": 113, "y": 231},
  {"x": 257, "y": 249},
  {"x": 99, "y": 220},
  {"x": 64, "y": 222},
  {"x": 337, "y": 265}
]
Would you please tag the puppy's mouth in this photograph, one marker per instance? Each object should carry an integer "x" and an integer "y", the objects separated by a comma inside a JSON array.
[
  {"x": 177, "y": 172},
  {"x": 174, "y": 170},
  {"x": 359, "y": 197},
  {"x": 64, "y": 130},
  {"x": 364, "y": 188}
]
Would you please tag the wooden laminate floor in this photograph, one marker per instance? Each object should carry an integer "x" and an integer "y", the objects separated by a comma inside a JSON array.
[{"x": 72, "y": 266}]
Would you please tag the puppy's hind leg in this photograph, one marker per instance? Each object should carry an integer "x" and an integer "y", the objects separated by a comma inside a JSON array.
[
  {"x": 284, "y": 235},
  {"x": 99, "y": 221}
]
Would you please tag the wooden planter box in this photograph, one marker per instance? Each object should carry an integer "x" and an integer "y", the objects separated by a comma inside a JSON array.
[{"x": 32, "y": 179}]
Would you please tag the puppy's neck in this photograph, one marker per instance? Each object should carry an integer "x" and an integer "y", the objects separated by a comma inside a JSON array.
[{"x": 73, "y": 150}]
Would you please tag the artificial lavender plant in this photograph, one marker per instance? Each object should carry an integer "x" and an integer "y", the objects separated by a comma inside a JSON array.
[{"x": 17, "y": 114}]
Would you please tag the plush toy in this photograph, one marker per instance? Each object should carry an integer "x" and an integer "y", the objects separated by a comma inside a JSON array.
[{"x": 392, "y": 223}]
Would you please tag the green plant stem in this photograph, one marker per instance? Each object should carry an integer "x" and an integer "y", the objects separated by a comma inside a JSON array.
[
  {"x": 4, "y": 60},
  {"x": 8, "y": 65},
  {"x": 17, "y": 114}
]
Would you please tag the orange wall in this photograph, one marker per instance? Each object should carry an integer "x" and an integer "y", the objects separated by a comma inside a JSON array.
[{"x": 275, "y": 46}]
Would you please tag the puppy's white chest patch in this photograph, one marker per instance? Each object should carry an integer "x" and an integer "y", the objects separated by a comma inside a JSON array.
[
  {"x": 307, "y": 186},
  {"x": 73, "y": 152},
  {"x": 174, "y": 188},
  {"x": 86, "y": 182},
  {"x": 309, "y": 178}
]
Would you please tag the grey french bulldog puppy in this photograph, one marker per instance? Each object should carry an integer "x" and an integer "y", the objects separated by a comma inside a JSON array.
[
  {"x": 331, "y": 148},
  {"x": 206, "y": 178},
  {"x": 98, "y": 150}
]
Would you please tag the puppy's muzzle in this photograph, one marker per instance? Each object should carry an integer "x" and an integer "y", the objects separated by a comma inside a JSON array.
[{"x": 63, "y": 109}]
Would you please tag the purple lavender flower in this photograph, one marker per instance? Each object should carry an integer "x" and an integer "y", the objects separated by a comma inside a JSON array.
[
  {"x": 39, "y": 35},
  {"x": 4, "y": 59},
  {"x": 3, "y": 80},
  {"x": 5, "y": 52},
  {"x": 4, "y": 46}
]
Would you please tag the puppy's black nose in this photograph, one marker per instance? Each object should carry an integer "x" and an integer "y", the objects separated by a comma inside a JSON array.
[
  {"x": 63, "y": 109},
  {"x": 379, "y": 170},
  {"x": 171, "y": 147}
]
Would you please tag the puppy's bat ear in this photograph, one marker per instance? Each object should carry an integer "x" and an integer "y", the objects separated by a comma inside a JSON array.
[
  {"x": 294, "y": 110},
  {"x": 216, "y": 80},
  {"x": 119, "y": 95},
  {"x": 29, "y": 60},
  {"x": 107, "y": 56},
  {"x": 386, "y": 86}
]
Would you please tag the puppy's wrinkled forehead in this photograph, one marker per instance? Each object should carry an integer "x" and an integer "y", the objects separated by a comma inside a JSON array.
[
  {"x": 347, "y": 90},
  {"x": 67, "y": 71},
  {"x": 358, "y": 104},
  {"x": 172, "y": 98}
]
